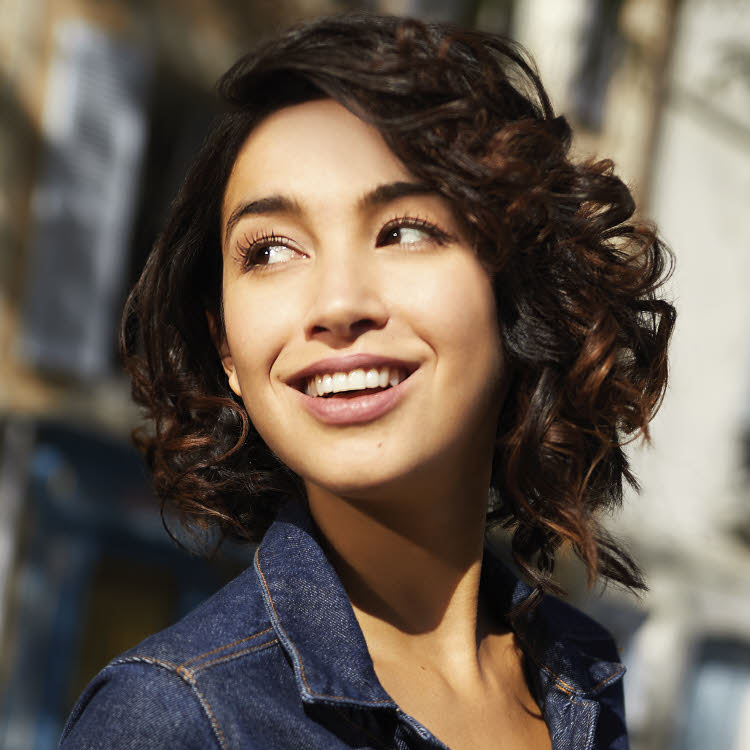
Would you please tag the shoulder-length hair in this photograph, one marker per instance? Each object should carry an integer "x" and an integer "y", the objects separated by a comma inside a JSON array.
[{"x": 576, "y": 283}]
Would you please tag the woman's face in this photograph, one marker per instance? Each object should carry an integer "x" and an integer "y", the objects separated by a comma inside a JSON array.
[{"x": 361, "y": 331}]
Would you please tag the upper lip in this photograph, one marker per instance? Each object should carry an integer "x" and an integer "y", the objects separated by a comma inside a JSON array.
[{"x": 347, "y": 363}]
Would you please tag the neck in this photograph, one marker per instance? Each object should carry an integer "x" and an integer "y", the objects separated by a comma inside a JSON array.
[{"x": 410, "y": 564}]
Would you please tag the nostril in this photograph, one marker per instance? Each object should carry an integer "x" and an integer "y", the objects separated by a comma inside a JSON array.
[
  {"x": 361, "y": 326},
  {"x": 348, "y": 330}
]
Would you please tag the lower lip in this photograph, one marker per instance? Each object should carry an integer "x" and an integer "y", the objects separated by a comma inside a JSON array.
[{"x": 355, "y": 409}]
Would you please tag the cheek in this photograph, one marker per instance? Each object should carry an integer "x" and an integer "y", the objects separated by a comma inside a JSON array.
[
  {"x": 254, "y": 336},
  {"x": 458, "y": 308}
]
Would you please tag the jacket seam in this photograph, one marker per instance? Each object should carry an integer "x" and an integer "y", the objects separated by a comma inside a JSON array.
[
  {"x": 570, "y": 690},
  {"x": 296, "y": 652},
  {"x": 228, "y": 645},
  {"x": 589, "y": 736},
  {"x": 188, "y": 677},
  {"x": 230, "y": 657},
  {"x": 607, "y": 680},
  {"x": 564, "y": 686}
]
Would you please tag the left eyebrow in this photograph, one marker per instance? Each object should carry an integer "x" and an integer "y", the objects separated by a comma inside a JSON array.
[
  {"x": 275, "y": 204},
  {"x": 392, "y": 191}
]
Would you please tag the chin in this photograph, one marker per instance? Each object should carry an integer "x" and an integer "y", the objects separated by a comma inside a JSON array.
[
  {"x": 376, "y": 479},
  {"x": 351, "y": 483}
]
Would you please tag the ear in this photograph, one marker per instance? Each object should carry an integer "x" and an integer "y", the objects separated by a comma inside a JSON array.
[{"x": 219, "y": 337}]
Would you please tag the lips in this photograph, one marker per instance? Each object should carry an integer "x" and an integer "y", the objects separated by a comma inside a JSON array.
[{"x": 353, "y": 389}]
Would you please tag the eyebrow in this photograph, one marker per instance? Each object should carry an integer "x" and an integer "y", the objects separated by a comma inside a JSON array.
[
  {"x": 274, "y": 204},
  {"x": 392, "y": 191},
  {"x": 279, "y": 204}
]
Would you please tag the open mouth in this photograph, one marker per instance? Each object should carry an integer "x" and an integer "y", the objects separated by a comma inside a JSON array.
[{"x": 357, "y": 382}]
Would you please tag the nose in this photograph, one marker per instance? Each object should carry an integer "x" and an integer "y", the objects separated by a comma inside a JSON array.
[{"x": 347, "y": 299}]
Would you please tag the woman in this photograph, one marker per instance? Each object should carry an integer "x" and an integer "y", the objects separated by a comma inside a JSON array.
[{"x": 384, "y": 294}]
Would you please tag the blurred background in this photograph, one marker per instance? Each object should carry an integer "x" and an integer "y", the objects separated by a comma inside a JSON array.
[{"x": 102, "y": 104}]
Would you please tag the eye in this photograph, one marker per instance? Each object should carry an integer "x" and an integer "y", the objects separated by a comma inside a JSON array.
[
  {"x": 410, "y": 231},
  {"x": 266, "y": 250}
]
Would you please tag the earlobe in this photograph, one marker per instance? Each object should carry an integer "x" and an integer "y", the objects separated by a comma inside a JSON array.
[{"x": 222, "y": 347}]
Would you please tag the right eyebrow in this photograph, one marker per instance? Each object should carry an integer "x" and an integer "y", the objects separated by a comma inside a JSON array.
[
  {"x": 392, "y": 191},
  {"x": 274, "y": 204}
]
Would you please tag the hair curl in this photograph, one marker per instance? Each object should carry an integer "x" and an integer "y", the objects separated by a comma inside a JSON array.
[{"x": 584, "y": 332}]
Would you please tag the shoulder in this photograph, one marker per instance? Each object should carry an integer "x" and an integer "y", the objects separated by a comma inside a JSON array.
[
  {"x": 163, "y": 687},
  {"x": 574, "y": 649},
  {"x": 232, "y": 614},
  {"x": 580, "y": 664},
  {"x": 130, "y": 705}
]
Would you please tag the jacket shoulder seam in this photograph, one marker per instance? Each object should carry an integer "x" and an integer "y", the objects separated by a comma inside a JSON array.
[{"x": 188, "y": 677}]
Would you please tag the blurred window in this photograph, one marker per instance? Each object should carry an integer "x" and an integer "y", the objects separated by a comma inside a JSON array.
[
  {"x": 717, "y": 705},
  {"x": 94, "y": 132}
]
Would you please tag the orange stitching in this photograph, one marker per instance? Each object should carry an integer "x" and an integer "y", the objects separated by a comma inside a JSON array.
[
  {"x": 207, "y": 706},
  {"x": 530, "y": 654},
  {"x": 147, "y": 660},
  {"x": 610, "y": 678},
  {"x": 299, "y": 659},
  {"x": 228, "y": 645},
  {"x": 229, "y": 657},
  {"x": 569, "y": 689},
  {"x": 188, "y": 677},
  {"x": 564, "y": 685},
  {"x": 186, "y": 674}
]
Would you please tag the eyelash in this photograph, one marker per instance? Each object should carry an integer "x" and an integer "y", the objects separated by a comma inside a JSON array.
[
  {"x": 413, "y": 222},
  {"x": 250, "y": 248}
]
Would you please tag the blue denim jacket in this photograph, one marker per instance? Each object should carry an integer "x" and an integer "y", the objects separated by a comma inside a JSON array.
[{"x": 276, "y": 659}]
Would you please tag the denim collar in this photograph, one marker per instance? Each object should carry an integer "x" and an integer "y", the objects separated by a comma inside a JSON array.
[
  {"x": 314, "y": 621},
  {"x": 312, "y": 616}
]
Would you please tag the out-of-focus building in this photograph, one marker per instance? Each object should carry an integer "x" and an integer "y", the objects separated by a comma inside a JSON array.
[
  {"x": 671, "y": 106},
  {"x": 103, "y": 105}
]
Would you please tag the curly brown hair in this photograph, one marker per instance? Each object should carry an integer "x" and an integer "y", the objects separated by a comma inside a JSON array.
[{"x": 583, "y": 329}]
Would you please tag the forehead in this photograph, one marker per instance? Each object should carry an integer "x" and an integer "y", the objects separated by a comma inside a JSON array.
[{"x": 315, "y": 149}]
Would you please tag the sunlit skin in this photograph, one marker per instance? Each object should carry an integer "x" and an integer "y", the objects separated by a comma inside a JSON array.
[{"x": 332, "y": 249}]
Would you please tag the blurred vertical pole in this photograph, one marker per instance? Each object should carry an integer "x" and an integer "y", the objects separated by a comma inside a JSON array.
[
  {"x": 602, "y": 45},
  {"x": 15, "y": 453},
  {"x": 660, "y": 92}
]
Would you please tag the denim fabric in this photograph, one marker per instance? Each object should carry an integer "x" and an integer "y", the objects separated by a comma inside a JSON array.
[{"x": 276, "y": 659}]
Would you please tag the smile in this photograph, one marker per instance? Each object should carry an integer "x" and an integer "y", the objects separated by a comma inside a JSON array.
[
  {"x": 359, "y": 379},
  {"x": 353, "y": 389}
]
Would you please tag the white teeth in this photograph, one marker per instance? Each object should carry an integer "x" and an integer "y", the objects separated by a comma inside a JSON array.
[
  {"x": 322, "y": 384},
  {"x": 356, "y": 380}
]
